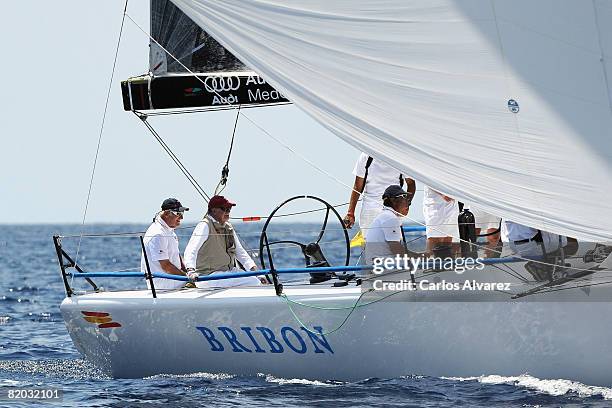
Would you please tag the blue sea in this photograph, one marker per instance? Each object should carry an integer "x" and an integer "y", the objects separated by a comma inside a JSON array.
[{"x": 36, "y": 350}]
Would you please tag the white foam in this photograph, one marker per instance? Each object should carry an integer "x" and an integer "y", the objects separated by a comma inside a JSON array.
[
  {"x": 10, "y": 383},
  {"x": 206, "y": 376},
  {"x": 551, "y": 387},
  {"x": 284, "y": 381}
]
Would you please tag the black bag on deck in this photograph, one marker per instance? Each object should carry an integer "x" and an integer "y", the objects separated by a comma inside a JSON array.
[{"x": 467, "y": 233}]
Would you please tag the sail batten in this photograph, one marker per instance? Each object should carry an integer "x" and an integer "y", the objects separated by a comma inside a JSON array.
[{"x": 506, "y": 104}]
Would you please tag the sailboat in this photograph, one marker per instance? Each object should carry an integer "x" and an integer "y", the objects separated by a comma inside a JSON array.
[{"x": 504, "y": 104}]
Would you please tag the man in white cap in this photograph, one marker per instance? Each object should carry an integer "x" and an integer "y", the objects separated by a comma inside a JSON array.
[
  {"x": 384, "y": 237},
  {"x": 162, "y": 246}
]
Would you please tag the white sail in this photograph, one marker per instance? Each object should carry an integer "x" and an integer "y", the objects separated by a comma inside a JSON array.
[{"x": 430, "y": 86}]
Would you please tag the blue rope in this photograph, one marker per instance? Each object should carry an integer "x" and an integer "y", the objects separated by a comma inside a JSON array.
[{"x": 231, "y": 275}]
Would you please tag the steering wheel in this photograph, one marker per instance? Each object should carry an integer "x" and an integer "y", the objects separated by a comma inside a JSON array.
[{"x": 313, "y": 254}]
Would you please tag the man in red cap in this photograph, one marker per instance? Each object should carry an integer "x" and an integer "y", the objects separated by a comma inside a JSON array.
[{"x": 214, "y": 247}]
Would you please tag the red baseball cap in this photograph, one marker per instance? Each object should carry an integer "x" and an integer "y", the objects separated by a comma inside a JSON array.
[{"x": 220, "y": 202}]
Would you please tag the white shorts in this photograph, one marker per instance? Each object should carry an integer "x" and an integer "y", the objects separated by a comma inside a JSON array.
[
  {"x": 229, "y": 283},
  {"x": 441, "y": 220},
  {"x": 484, "y": 220},
  {"x": 163, "y": 283},
  {"x": 532, "y": 248},
  {"x": 367, "y": 216}
]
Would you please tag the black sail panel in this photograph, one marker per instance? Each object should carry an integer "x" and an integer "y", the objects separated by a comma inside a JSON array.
[
  {"x": 187, "y": 42},
  {"x": 221, "y": 79}
]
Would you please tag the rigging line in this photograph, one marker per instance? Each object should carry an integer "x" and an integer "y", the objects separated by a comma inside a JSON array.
[
  {"x": 294, "y": 213},
  {"x": 296, "y": 302},
  {"x": 558, "y": 289},
  {"x": 602, "y": 56},
  {"x": 225, "y": 170},
  {"x": 229, "y": 154},
  {"x": 513, "y": 274},
  {"x": 182, "y": 111},
  {"x": 510, "y": 270},
  {"x": 297, "y": 319},
  {"x": 108, "y": 93},
  {"x": 176, "y": 160}
]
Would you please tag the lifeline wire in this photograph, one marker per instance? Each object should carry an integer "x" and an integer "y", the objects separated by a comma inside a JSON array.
[{"x": 93, "y": 170}]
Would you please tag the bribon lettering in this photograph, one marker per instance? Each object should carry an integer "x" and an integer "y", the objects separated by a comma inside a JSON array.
[{"x": 249, "y": 339}]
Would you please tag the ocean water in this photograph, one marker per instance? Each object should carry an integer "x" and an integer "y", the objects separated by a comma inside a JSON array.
[{"x": 36, "y": 351}]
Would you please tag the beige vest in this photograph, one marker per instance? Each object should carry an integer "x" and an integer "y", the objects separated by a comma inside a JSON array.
[{"x": 218, "y": 252}]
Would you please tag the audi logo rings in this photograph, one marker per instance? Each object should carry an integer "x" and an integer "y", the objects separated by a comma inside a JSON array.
[{"x": 215, "y": 84}]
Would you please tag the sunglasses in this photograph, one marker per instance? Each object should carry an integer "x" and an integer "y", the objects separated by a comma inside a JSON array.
[
  {"x": 177, "y": 213},
  {"x": 405, "y": 195}
]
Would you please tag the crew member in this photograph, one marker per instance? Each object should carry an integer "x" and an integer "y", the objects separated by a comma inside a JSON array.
[
  {"x": 384, "y": 237},
  {"x": 527, "y": 241},
  {"x": 371, "y": 179},
  {"x": 214, "y": 248},
  {"x": 441, "y": 213},
  {"x": 162, "y": 245}
]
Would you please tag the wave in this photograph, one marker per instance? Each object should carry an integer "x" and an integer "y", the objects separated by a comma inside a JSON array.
[
  {"x": 552, "y": 387},
  {"x": 223, "y": 376},
  {"x": 205, "y": 376},
  {"x": 77, "y": 369},
  {"x": 284, "y": 381}
]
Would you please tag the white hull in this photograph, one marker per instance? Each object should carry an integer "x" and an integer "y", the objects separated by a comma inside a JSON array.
[{"x": 542, "y": 335}]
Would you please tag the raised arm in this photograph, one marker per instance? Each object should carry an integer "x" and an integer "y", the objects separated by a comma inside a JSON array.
[{"x": 349, "y": 218}]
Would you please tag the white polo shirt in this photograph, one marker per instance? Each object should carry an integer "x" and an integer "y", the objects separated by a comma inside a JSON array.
[
  {"x": 380, "y": 176},
  {"x": 386, "y": 227},
  {"x": 161, "y": 243},
  {"x": 512, "y": 231}
]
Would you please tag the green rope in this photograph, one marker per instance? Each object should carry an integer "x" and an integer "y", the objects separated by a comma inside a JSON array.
[{"x": 352, "y": 309}]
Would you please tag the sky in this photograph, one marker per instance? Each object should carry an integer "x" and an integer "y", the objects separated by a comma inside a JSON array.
[{"x": 56, "y": 69}]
